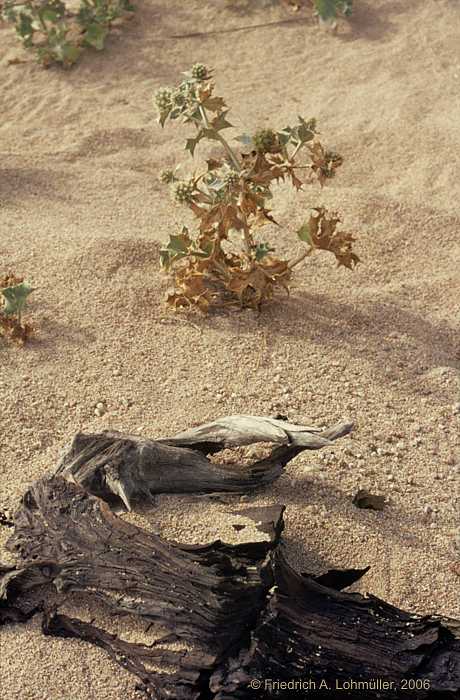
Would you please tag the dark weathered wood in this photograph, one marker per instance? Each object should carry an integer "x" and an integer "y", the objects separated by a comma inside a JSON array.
[
  {"x": 239, "y": 611},
  {"x": 314, "y": 634}
]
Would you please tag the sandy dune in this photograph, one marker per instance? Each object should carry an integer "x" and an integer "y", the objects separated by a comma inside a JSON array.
[{"x": 82, "y": 213}]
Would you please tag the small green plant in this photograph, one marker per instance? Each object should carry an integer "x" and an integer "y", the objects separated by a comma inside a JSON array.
[
  {"x": 225, "y": 261},
  {"x": 13, "y": 297},
  {"x": 58, "y": 35},
  {"x": 327, "y": 10}
]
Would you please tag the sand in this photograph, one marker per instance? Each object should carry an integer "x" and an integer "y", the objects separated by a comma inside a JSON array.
[{"x": 82, "y": 214}]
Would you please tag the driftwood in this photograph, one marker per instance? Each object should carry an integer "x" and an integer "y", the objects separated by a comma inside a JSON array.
[
  {"x": 240, "y": 613},
  {"x": 112, "y": 465}
]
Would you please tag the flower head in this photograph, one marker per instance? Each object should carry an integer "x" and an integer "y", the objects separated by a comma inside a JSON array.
[
  {"x": 183, "y": 192},
  {"x": 163, "y": 99},
  {"x": 167, "y": 176},
  {"x": 200, "y": 72},
  {"x": 231, "y": 178}
]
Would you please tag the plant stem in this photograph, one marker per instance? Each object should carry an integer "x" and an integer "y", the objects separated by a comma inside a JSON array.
[
  {"x": 248, "y": 244},
  {"x": 296, "y": 150},
  {"x": 224, "y": 143},
  {"x": 302, "y": 256}
]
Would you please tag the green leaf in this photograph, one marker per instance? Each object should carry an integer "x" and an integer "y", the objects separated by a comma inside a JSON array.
[
  {"x": 327, "y": 9},
  {"x": 15, "y": 298},
  {"x": 285, "y": 135},
  {"x": 95, "y": 36},
  {"x": 68, "y": 53},
  {"x": 347, "y": 7},
  {"x": 304, "y": 131},
  {"x": 180, "y": 243},
  {"x": 24, "y": 28},
  {"x": 263, "y": 249},
  {"x": 177, "y": 248},
  {"x": 49, "y": 16},
  {"x": 304, "y": 234}
]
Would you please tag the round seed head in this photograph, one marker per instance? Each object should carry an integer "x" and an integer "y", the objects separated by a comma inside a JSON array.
[
  {"x": 183, "y": 192},
  {"x": 167, "y": 176},
  {"x": 163, "y": 99},
  {"x": 200, "y": 72},
  {"x": 231, "y": 178}
]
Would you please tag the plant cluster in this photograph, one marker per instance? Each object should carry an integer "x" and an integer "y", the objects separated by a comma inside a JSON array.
[
  {"x": 225, "y": 261},
  {"x": 58, "y": 35},
  {"x": 326, "y": 10},
  {"x": 13, "y": 297},
  {"x": 329, "y": 10}
]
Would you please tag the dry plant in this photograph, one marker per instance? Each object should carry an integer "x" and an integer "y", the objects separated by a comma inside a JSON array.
[
  {"x": 13, "y": 297},
  {"x": 224, "y": 262}
]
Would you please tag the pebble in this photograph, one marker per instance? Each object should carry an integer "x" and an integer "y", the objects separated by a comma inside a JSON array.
[
  {"x": 100, "y": 409},
  {"x": 456, "y": 408},
  {"x": 116, "y": 372}
]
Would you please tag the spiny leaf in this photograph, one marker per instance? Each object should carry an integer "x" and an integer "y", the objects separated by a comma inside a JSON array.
[
  {"x": 214, "y": 104},
  {"x": 304, "y": 234},
  {"x": 220, "y": 122},
  {"x": 96, "y": 35},
  {"x": 15, "y": 298},
  {"x": 304, "y": 131},
  {"x": 263, "y": 249},
  {"x": 324, "y": 235},
  {"x": 327, "y": 9}
]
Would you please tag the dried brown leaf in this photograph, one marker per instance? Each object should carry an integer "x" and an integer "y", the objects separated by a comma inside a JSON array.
[
  {"x": 324, "y": 235},
  {"x": 16, "y": 331}
]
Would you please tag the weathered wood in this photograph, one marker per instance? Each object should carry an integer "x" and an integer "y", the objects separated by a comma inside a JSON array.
[
  {"x": 324, "y": 638},
  {"x": 127, "y": 467},
  {"x": 239, "y": 611}
]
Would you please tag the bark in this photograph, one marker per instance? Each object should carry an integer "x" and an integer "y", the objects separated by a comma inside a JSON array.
[{"x": 239, "y": 611}]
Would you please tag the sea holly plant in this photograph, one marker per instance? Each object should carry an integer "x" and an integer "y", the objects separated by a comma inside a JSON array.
[
  {"x": 14, "y": 292},
  {"x": 327, "y": 10},
  {"x": 225, "y": 261},
  {"x": 57, "y": 34}
]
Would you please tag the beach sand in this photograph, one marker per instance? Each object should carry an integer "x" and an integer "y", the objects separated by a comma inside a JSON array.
[{"x": 82, "y": 214}]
